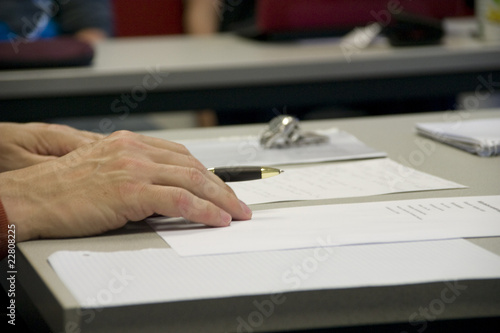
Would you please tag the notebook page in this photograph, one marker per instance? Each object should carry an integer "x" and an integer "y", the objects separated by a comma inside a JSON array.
[{"x": 160, "y": 275}]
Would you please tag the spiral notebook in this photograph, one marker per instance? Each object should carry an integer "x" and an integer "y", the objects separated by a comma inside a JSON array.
[{"x": 480, "y": 136}]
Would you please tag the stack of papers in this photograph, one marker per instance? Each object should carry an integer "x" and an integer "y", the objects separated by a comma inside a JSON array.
[{"x": 481, "y": 137}]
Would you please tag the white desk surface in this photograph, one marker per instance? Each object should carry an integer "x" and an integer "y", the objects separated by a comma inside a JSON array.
[
  {"x": 228, "y": 60},
  {"x": 362, "y": 306}
]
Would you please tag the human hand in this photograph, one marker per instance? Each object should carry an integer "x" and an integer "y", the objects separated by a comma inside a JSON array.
[
  {"x": 102, "y": 185},
  {"x": 22, "y": 145}
]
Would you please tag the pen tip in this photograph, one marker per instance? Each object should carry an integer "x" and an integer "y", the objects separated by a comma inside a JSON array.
[{"x": 281, "y": 170}]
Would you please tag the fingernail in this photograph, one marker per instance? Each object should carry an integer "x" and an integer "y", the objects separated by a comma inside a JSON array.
[
  {"x": 225, "y": 218},
  {"x": 245, "y": 209}
]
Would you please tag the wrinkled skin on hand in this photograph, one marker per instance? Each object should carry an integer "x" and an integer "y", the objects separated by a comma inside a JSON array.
[
  {"x": 23, "y": 145},
  {"x": 107, "y": 182}
]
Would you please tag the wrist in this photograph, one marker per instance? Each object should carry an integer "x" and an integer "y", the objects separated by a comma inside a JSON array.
[
  {"x": 12, "y": 203},
  {"x": 4, "y": 230}
]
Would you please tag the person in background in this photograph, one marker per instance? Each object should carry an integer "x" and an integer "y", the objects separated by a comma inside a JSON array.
[
  {"x": 28, "y": 20},
  {"x": 203, "y": 17},
  {"x": 57, "y": 181},
  {"x": 210, "y": 16},
  {"x": 200, "y": 16},
  {"x": 207, "y": 17}
]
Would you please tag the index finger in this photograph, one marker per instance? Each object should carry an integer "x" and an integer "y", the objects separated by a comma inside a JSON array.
[
  {"x": 164, "y": 144},
  {"x": 168, "y": 157}
]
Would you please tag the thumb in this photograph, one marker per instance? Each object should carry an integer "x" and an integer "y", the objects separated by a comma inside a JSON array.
[
  {"x": 23, "y": 158},
  {"x": 65, "y": 140}
]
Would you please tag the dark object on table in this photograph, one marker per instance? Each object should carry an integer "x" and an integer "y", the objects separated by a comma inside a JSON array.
[
  {"x": 407, "y": 29},
  {"x": 285, "y": 20},
  {"x": 45, "y": 53}
]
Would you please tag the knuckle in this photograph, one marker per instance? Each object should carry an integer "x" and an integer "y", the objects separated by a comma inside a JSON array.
[
  {"x": 181, "y": 199},
  {"x": 58, "y": 127},
  {"x": 195, "y": 176},
  {"x": 127, "y": 187},
  {"x": 181, "y": 148},
  {"x": 129, "y": 162},
  {"x": 124, "y": 142},
  {"x": 193, "y": 161},
  {"x": 190, "y": 208},
  {"x": 122, "y": 133},
  {"x": 211, "y": 190},
  {"x": 120, "y": 143},
  {"x": 129, "y": 194}
]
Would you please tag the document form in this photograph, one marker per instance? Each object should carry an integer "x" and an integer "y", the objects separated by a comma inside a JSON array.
[
  {"x": 339, "y": 180},
  {"x": 341, "y": 224}
]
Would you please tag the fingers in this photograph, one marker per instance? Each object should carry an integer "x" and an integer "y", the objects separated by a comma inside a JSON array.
[
  {"x": 153, "y": 142},
  {"x": 23, "y": 158},
  {"x": 58, "y": 140},
  {"x": 66, "y": 129},
  {"x": 73, "y": 131},
  {"x": 172, "y": 153},
  {"x": 190, "y": 190},
  {"x": 175, "y": 201},
  {"x": 165, "y": 152},
  {"x": 180, "y": 169},
  {"x": 167, "y": 157},
  {"x": 27, "y": 158},
  {"x": 201, "y": 185}
]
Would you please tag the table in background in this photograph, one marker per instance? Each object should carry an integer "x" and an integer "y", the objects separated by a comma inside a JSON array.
[{"x": 227, "y": 72}]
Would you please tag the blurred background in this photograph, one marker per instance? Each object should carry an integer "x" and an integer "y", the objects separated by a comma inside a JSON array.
[{"x": 267, "y": 21}]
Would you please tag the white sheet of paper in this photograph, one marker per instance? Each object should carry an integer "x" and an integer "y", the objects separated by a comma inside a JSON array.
[
  {"x": 160, "y": 275},
  {"x": 339, "y": 180},
  {"x": 237, "y": 151},
  {"x": 343, "y": 224}
]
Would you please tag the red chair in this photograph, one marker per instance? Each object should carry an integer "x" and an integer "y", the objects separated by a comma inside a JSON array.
[
  {"x": 147, "y": 17},
  {"x": 289, "y": 15}
]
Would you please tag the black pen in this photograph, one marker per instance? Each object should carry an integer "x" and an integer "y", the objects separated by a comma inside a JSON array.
[{"x": 242, "y": 173}]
